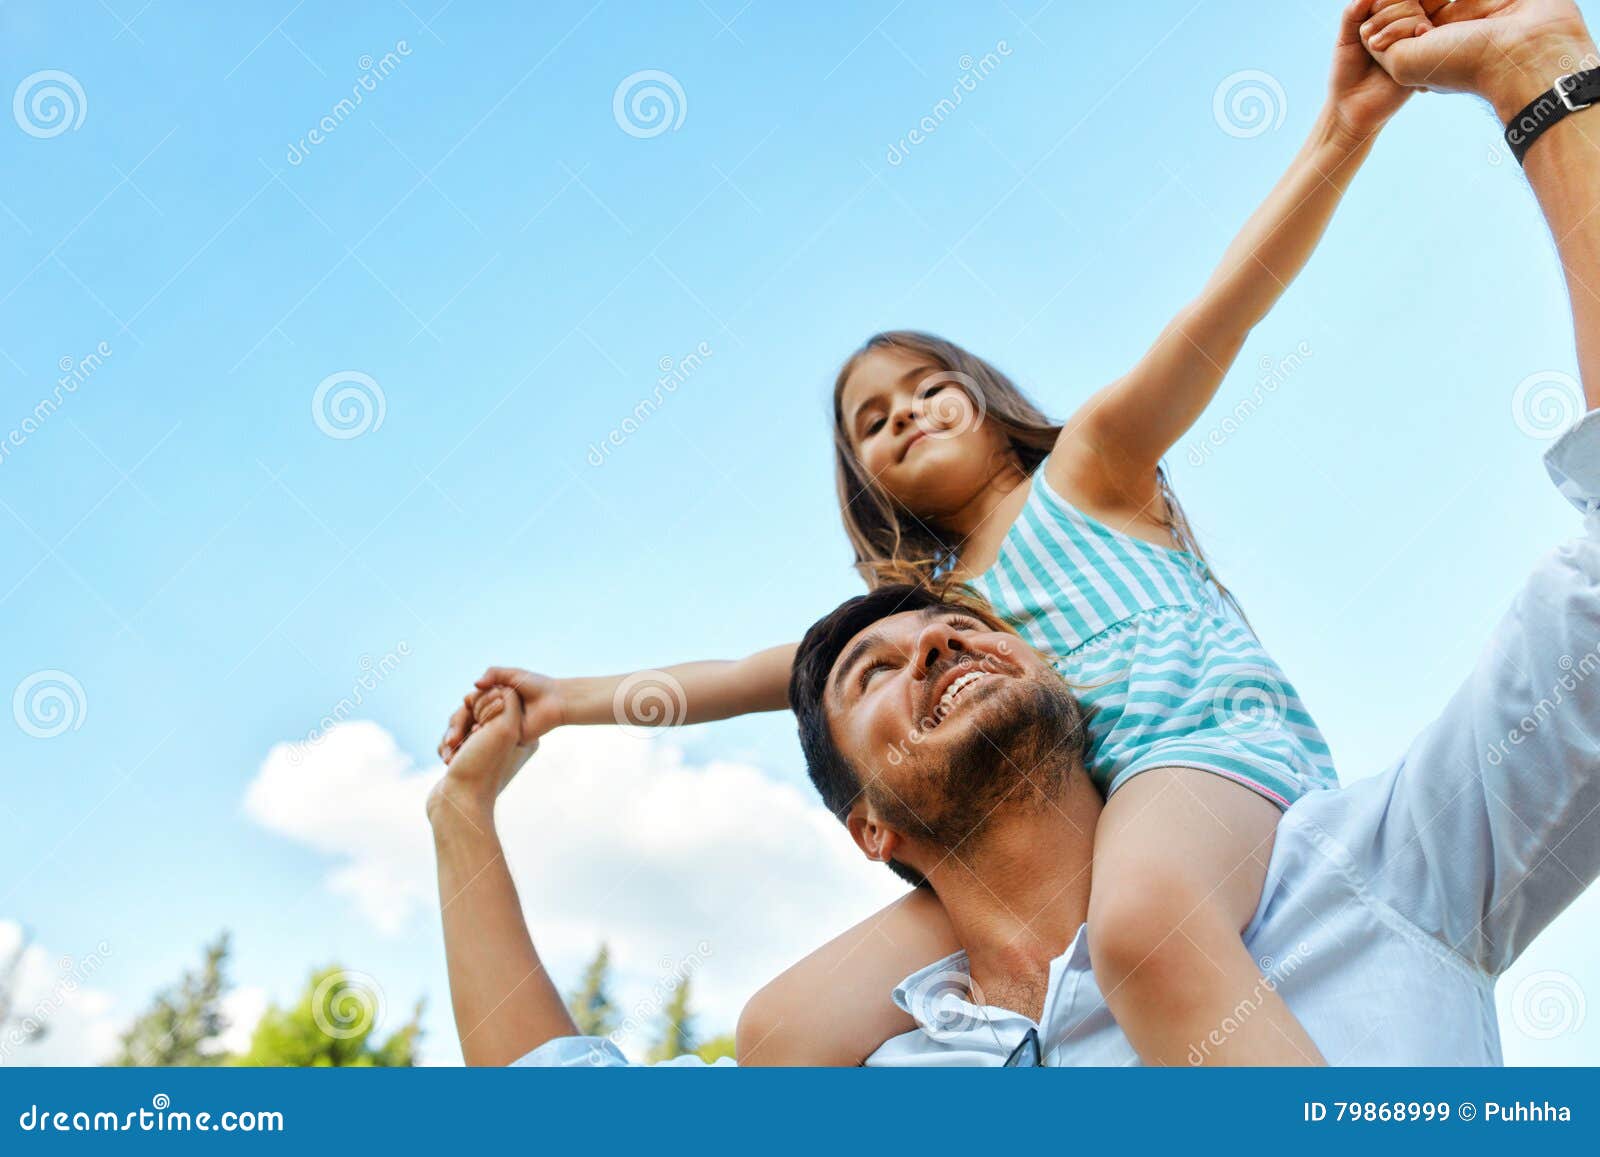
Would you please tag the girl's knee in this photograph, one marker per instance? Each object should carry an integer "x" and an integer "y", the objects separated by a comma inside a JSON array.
[{"x": 1143, "y": 924}]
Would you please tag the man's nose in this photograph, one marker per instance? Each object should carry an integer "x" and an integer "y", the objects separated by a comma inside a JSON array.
[{"x": 937, "y": 644}]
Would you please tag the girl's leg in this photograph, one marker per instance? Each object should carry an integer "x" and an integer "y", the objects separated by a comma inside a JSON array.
[
  {"x": 1179, "y": 860},
  {"x": 834, "y": 1007}
]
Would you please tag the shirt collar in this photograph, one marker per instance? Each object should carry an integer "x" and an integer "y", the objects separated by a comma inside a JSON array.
[{"x": 938, "y": 996}]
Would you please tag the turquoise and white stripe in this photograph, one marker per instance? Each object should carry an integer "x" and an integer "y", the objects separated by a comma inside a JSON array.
[{"x": 1171, "y": 674}]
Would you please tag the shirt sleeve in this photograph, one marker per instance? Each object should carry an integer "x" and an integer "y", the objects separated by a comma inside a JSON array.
[
  {"x": 1489, "y": 827},
  {"x": 567, "y": 1052}
]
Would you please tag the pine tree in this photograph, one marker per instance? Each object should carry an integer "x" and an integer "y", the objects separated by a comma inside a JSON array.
[
  {"x": 591, "y": 1005},
  {"x": 677, "y": 1027},
  {"x": 184, "y": 1022}
]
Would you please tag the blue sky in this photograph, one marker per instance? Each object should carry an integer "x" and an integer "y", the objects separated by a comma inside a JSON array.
[{"x": 485, "y": 241}]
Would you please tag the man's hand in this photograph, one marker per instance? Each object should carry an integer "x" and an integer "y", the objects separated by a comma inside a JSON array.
[
  {"x": 486, "y": 762},
  {"x": 1509, "y": 51},
  {"x": 543, "y": 707},
  {"x": 1361, "y": 95}
]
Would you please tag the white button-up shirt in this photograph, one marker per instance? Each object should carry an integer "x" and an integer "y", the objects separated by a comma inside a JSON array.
[{"x": 1390, "y": 906}]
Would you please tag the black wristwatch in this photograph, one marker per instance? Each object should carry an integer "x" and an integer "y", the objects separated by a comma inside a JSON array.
[{"x": 1572, "y": 93}]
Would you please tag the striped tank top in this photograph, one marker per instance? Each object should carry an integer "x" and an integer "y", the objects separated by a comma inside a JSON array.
[{"x": 1170, "y": 674}]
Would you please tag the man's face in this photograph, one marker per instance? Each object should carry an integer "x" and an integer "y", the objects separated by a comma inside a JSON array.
[{"x": 944, "y": 718}]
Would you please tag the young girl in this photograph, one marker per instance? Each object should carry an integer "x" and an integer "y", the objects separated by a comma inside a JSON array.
[{"x": 1071, "y": 532}]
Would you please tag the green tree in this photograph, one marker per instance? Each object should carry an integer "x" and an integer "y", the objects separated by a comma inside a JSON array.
[
  {"x": 184, "y": 1022},
  {"x": 716, "y": 1048},
  {"x": 333, "y": 1025},
  {"x": 591, "y": 1005},
  {"x": 677, "y": 1026}
]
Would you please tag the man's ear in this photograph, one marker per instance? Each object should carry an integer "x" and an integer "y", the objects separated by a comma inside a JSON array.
[{"x": 877, "y": 841}]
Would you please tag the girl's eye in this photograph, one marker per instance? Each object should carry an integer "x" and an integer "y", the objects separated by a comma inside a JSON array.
[{"x": 874, "y": 426}]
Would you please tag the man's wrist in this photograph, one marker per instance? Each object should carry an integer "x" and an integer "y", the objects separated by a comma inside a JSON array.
[
  {"x": 1522, "y": 77},
  {"x": 1334, "y": 135},
  {"x": 454, "y": 809}
]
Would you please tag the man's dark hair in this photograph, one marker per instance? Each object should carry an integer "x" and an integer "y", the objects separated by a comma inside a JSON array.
[{"x": 834, "y": 777}]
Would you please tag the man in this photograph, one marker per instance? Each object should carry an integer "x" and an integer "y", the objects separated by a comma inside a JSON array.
[{"x": 1389, "y": 907}]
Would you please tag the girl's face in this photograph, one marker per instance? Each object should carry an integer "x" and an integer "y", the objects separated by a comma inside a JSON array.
[{"x": 916, "y": 429}]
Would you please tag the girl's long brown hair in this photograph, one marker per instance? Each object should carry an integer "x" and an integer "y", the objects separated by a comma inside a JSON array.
[{"x": 893, "y": 545}]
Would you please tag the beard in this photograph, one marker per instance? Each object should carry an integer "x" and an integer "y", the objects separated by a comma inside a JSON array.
[{"x": 1016, "y": 752}]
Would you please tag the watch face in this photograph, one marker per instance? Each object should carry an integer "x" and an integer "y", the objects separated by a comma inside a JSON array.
[{"x": 1026, "y": 1054}]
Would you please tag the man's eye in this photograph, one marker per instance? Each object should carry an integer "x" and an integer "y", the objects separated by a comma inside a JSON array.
[{"x": 868, "y": 672}]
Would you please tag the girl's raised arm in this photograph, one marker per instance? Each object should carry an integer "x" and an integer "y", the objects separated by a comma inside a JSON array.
[
  {"x": 672, "y": 696},
  {"x": 1115, "y": 442}
]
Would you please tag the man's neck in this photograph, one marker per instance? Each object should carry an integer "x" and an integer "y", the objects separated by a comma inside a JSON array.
[{"x": 1017, "y": 892}]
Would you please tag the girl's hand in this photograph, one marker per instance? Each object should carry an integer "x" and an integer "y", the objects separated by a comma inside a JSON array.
[
  {"x": 1361, "y": 94},
  {"x": 541, "y": 707},
  {"x": 488, "y": 760}
]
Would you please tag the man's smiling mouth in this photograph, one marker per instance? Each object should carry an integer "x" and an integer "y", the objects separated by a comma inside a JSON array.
[{"x": 954, "y": 693}]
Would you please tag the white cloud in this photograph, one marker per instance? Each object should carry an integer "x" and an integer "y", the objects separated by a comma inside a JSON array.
[
  {"x": 610, "y": 837},
  {"x": 242, "y": 1008},
  {"x": 55, "y": 993}
]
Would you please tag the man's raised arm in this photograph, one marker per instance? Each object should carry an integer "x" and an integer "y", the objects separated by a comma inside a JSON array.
[
  {"x": 1511, "y": 53},
  {"x": 1490, "y": 826},
  {"x": 505, "y": 1004}
]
